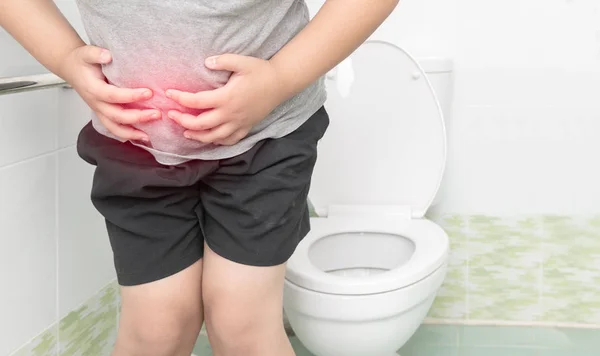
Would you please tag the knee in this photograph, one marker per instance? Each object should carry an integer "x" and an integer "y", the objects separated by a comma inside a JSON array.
[
  {"x": 240, "y": 331},
  {"x": 160, "y": 336},
  {"x": 228, "y": 332}
]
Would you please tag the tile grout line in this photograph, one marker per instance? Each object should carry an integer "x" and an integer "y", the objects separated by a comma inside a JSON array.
[
  {"x": 510, "y": 323},
  {"x": 57, "y": 252},
  {"x": 468, "y": 257},
  {"x": 34, "y": 157},
  {"x": 28, "y": 342},
  {"x": 542, "y": 255},
  {"x": 93, "y": 295},
  {"x": 466, "y": 232}
]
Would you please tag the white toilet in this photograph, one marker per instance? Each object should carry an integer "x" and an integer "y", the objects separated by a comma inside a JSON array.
[{"x": 364, "y": 278}]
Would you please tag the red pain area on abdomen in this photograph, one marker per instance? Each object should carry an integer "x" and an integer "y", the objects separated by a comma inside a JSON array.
[{"x": 165, "y": 134}]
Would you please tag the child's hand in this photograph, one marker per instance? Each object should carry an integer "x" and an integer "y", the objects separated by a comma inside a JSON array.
[
  {"x": 251, "y": 93},
  {"x": 82, "y": 70}
]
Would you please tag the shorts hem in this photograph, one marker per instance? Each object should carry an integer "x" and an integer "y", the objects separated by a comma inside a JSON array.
[
  {"x": 158, "y": 273},
  {"x": 282, "y": 257},
  {"x": 250, "y": 261}
]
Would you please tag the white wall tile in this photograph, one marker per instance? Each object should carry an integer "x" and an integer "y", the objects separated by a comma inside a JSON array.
[
  {"x": 71, "y": 12},
  {"x": 28, "y": 253},
  {"x": 85, "y": 257},
  {"x": 73, "y": 114},
  {"x": 423, "y": 27},
  {"x": 14, "y": 60},
  {"x": 532, "y": 34},
  {"x": 28, "y": 125},
  {"x": 523, "y": 161}
]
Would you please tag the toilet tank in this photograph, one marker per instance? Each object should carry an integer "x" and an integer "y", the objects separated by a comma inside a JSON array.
[{"x": 439, "y": 73}]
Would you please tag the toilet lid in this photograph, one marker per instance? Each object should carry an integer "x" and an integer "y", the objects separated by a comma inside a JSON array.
[{"x": 386, "y": 142}]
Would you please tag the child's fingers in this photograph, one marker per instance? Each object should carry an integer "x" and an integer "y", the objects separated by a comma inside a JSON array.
[
  {"x": 233, "y": 138},
  {"x": 210, "y": 136},
  {"x": 127, "y": 116},
  {"x": 205, "y": 121},
  {"x": 113, "y": 94},
  {"x": 187, "y": 121},
  {"x": 123, "y": 131},
  {"x": 202, "y": 100}
]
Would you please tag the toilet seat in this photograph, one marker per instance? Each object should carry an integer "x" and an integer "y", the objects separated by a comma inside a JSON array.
[{"x": 431, "y": 249}]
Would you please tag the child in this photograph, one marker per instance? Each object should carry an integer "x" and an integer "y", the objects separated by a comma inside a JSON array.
[{"x": 207, "y": 115}]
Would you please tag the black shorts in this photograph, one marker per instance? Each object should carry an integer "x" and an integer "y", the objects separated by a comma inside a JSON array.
[{"x": 251, "y": 209}]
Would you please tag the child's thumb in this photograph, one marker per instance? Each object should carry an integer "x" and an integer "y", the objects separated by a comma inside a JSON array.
[
  {"x": 228, "y": 62},
  {"x": 95, "y": 55}
]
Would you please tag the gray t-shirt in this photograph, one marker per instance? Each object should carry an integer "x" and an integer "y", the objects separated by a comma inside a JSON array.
[{"x": 162, "y": 44}]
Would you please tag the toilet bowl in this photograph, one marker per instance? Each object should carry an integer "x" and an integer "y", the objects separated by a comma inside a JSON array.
[
  {"x": 363, "y": 286},
  {"x": 362, "y": 281}
]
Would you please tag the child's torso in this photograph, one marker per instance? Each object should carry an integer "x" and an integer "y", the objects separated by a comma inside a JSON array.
[{"x": 161, "y": 44}]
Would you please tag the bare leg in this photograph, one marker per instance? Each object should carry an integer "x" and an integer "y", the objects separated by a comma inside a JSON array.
[
  {"x": 243, "y": 308},
  {"x": 162, "y": 318}
]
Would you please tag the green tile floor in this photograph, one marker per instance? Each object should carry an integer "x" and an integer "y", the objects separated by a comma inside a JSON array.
[{"x": 450, "y": 340}]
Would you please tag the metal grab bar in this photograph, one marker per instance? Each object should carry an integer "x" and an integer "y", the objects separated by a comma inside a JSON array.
[{"x": 30, "y": 83}]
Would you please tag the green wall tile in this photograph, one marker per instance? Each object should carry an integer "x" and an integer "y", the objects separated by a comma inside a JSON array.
[
  {"x": 571, "y": 274},
  {"x": 450, "y": 302},
  {"x": 91, "y": 329},
  {"x": 88, "y": 331},
  {"x": 311, "y": 209},
  {"x": 42, "y": 345},
  {"x": 504, "y": 274}
]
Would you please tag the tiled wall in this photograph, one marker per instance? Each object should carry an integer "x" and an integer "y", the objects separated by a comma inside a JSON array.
[
  {"x": 526, "y": 269},
  {"x": 90, "y": 329},
  {"x": 54, "y": 251}
]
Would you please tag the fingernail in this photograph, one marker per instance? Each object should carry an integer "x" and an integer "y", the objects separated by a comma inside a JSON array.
[
  {"x": 211, "y": 61},
  {"x": 169, "y": 93},
  {"x": 171, "y": 115},
  {"x": 145, "y": 139},
  {"x": 146, "y": 93},
  {"x": 104, "y": 56},
  {"x": 155, "y": 115},
  {"x": 187, "y": 135}
]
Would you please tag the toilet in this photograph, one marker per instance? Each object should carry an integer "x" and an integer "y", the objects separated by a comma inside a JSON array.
[{"x": 362, "y": 281}]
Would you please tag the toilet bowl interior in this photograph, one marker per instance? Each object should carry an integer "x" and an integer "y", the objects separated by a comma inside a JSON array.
[{"x": 360, "y": 254}]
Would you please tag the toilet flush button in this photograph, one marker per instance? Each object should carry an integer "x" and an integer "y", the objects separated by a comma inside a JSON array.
[{"x": 416, "y": 75}]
